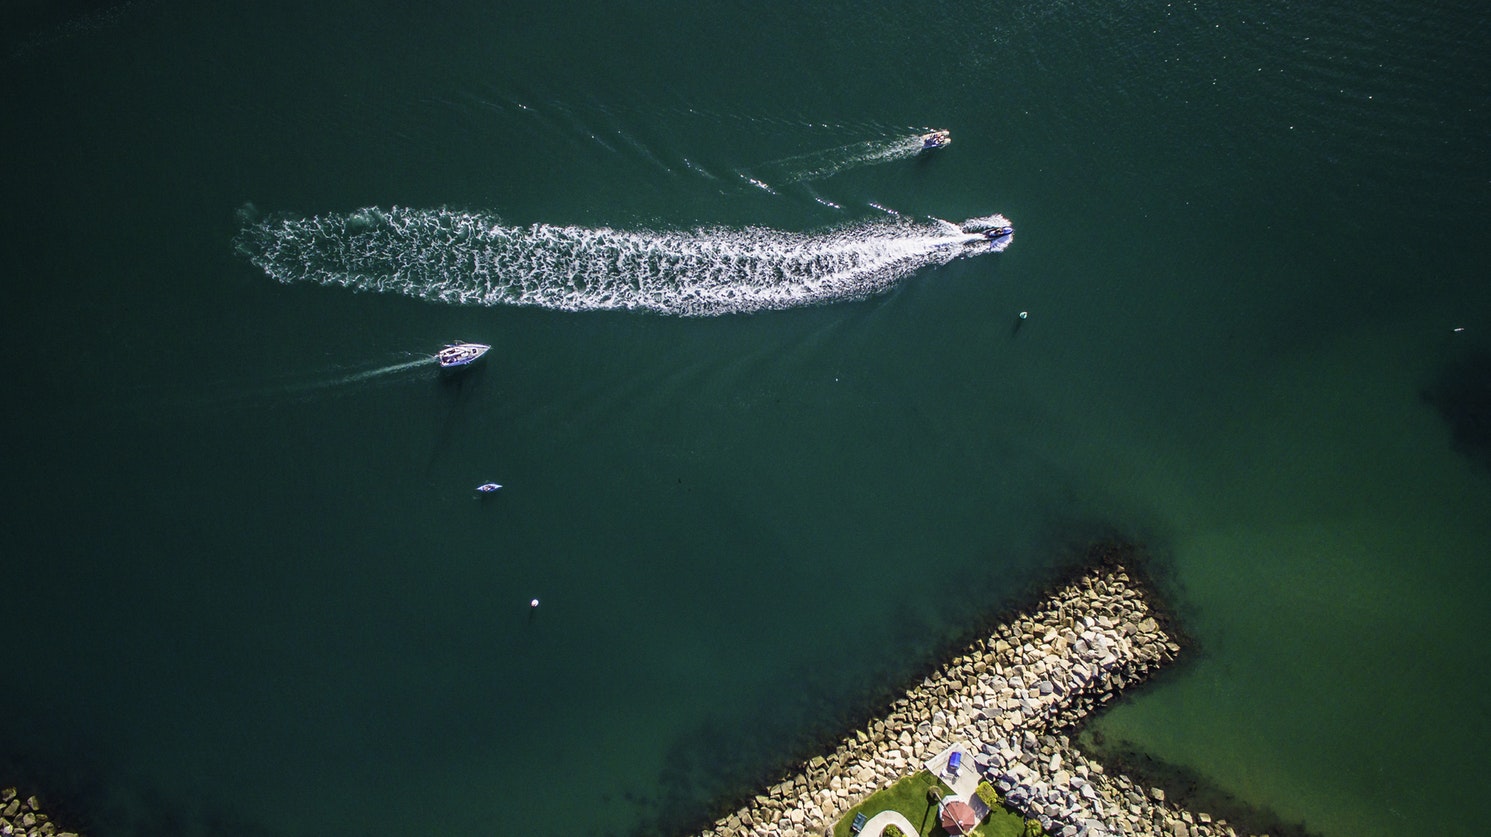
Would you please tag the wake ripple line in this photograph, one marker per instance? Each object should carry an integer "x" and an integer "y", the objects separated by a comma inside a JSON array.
[
  {"x": 821, "y": 165},
  {"x": 471, "y": 259}
]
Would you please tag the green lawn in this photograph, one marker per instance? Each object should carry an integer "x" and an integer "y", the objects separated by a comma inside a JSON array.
[{"x": 909, "y": 796}]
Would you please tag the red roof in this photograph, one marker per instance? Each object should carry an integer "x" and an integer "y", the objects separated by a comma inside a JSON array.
[{"x": 958, "y": 818}]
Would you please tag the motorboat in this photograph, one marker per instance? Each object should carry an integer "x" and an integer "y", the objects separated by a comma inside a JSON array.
[
  {"x": 936, "y": 139},
  {"x": 993, "y": 229},
  {"x": 460, "y": 354},
  {"x": 487, "y": 487}
]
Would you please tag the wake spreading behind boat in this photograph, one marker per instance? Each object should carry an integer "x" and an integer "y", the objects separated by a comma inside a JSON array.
[
  {"x": 460, "y": 354},
  {"x": 993, "y": 231},
  {"x": 936, "y": 139}
]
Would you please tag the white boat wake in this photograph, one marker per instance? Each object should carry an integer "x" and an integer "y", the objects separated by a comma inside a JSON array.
[
  {"x": 820, "y": 165},
  {"x": 472, "y": 259},
  {"x": 305, "y": 384},
  {"x": 344, "y": 380},
  {"x": 359, "y": 377}
]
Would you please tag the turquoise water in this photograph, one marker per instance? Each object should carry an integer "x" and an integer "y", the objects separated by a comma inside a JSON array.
[{"x": 248, "y": 588}]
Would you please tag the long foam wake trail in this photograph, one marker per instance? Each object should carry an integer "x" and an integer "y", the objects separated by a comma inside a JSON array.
[{"x": 471, "y": 258}]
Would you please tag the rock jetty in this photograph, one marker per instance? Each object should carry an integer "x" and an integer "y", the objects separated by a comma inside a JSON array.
[
  {"x": 1009, "y": 699},
  {"x": 23, "y": 817}
]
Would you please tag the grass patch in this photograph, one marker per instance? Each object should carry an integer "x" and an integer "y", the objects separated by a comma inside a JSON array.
[{"x": 909, "y": 796}]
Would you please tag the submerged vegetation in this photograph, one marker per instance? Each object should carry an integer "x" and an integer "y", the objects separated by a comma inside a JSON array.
[{"x": 1462, "y": 394}]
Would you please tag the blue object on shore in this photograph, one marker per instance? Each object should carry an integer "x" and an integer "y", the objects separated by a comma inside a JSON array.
[{"x": 954, "y": 762}]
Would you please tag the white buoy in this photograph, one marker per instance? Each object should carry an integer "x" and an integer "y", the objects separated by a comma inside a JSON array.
[{"x": 533, "y": 603}]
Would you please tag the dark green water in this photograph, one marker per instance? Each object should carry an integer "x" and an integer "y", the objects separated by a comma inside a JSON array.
[{"x": 247, "y": 590}]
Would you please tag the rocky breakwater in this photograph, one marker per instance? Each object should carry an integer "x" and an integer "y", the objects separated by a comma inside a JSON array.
[
  {"x": 1047, "y": 779},
  {"x": 23, "y": 817},
  {"x": 1001, "y": 698}
]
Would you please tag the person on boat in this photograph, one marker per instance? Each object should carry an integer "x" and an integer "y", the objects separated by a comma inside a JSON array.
[{"x": 935, "y": 139}]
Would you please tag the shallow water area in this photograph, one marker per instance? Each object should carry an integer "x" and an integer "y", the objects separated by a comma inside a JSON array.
[{"x": 1342, "y": 576}]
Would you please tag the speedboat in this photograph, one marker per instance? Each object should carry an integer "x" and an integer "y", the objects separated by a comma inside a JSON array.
[
  {"x": 460, "y": 354},
  {"x": 994, "y": 229},
  {"x": 487, "y": 487},
  {"x": 936, "y": 139}
]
